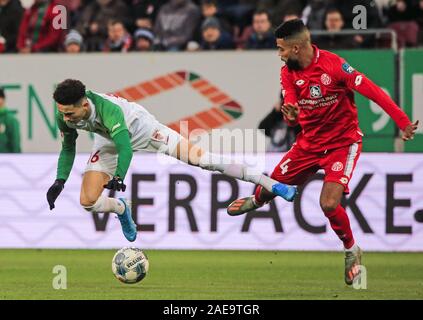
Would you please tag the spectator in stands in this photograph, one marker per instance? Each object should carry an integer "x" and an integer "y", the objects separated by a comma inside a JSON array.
[
  {"x": 36, "y": 31},
  {"x": 144, "y": 40},
  {"x": 262, "y": 36},
  {"x": 214, "y": 38},
  {"x": 419, "y": 19},
  {"x": 144, "y": 12},
  {"x": 401, "y": 18},
  {"x": 11, "y": 12},
  {"x": 239, "y": 12},
  {"x": 73, "y": 42},
  {"x": 400, "y": 10},
  {"x": 346, "y": 7},
  {"x": 314, "y": 14},
  {"x": 334, "y": 22},
  {"x": 280, "y": 8},
  {"x": 209, "y": 8},
  {"x": 290, "y": 15},
  {"x": 119, "y": 39},
  {"x": 74, "y": 10},
  {"x": 95, "y": 17},
  {"x": 281, "y": 135},
  {"x": 175, "y": 24},
  {"x": 10, "y": 138},
  {"x": 373, "y": 18}
]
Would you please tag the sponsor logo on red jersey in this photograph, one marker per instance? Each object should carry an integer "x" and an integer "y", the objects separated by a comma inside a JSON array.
[{"x": 347, "y": 68}]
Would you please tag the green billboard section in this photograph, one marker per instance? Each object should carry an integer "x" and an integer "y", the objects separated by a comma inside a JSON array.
[
  {"x": 412, "y": 93},
  {"x": 378, "y": 128}
]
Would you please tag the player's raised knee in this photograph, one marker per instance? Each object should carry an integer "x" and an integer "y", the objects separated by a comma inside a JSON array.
[
  {"x": 329, "y": 205},
  {"x": 88, "y": 201}
]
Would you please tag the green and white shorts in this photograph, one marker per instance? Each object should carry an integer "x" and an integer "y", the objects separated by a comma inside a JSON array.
[{"x": 160, "y": 139}]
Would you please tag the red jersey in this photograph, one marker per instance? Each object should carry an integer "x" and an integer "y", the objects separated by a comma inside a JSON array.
[{"x": 325, "y": 97}]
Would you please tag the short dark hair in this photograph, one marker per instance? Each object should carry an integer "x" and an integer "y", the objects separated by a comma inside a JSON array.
[
  {"x": 69, "y": 92},
  {"x": 262, "y": 11},
  {"x": 2, "y": 95},
  {"x": 290, "y": 28},
  {"x": 113, "y": 22},
  {"x": 333, "y": 10},
  {"x": 209, "y": 2}
]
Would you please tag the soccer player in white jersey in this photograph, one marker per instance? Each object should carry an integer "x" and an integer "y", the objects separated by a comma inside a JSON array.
[{"x": 121, "y": 127}]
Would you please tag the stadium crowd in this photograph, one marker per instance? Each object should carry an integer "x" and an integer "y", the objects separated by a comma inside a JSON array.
[{"x": 26, "y": 26}]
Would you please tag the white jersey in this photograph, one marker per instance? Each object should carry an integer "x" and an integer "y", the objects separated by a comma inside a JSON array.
[{"x": 106, "y": 120}]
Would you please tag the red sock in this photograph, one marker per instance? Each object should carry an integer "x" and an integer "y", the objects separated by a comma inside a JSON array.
[
  {"x": 261, "y": 198},
  {"x": 340, "y": 223}
]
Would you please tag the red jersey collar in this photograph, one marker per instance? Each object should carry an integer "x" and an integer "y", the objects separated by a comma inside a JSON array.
[
  {"x": 316, "y": 56},
  {"x": 316, "y": 53}
]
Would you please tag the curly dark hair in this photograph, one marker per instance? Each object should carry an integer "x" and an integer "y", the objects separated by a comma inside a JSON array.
[{"x": 69, "y": 92}]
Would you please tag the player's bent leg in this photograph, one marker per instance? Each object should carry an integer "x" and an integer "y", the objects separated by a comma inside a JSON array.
[
  {"x": 194, "y": 155},
  {"x": 93, "y": 201},
  {"x": 330, "y": 199},
  {"x": 91, "y": 189}
]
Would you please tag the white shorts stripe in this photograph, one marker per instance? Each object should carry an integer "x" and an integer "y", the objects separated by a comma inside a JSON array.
[{"x": 352, "y": 153}]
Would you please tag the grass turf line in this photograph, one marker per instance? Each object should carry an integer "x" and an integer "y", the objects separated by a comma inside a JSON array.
[{"x": 209, "y": 275}]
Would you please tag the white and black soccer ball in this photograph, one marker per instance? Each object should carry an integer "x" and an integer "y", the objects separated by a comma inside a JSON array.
[{"x": 130, "y": 265}]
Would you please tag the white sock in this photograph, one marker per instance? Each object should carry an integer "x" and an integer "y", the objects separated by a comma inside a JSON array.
[
  {"x": 213, "y": 162},
  {"x": 354, "y": 248},
  {"x": 105, "y": 204}
]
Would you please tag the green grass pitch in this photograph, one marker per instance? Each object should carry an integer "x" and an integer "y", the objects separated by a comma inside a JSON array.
[{"x": 244, "y": 275}]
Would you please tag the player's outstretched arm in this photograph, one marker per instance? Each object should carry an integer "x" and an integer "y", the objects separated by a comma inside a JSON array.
[
  {"x": 64, "y": 166},
  {"x": 409, "y": 131},
  {"x": 359, "y": 82},
  {"x": 124, "y": 150},
  {"x": 54, "y": 191},
  {"x": 114, "y": 121}
]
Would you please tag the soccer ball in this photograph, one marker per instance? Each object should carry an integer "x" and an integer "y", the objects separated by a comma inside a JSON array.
[{"x": 130, "y": 265}]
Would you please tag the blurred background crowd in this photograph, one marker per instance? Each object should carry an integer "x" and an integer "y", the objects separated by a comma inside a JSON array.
[{"x": 26, "y": 26}]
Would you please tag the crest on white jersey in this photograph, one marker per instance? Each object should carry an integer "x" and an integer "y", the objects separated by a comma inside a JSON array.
[
  {"x": 315, "y": 91},
  {"x": 325, "y": 79}
]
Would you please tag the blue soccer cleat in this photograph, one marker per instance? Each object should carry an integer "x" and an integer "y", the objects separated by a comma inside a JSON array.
[
  {"x": 284, "y": 191},
  {"x": 129, "y": 227}
]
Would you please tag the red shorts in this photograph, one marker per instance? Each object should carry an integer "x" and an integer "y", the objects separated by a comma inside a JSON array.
[{"x": 298, "y": 165}]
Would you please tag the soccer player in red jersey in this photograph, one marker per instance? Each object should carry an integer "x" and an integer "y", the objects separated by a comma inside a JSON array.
[{"x": 318, "y": 94}]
